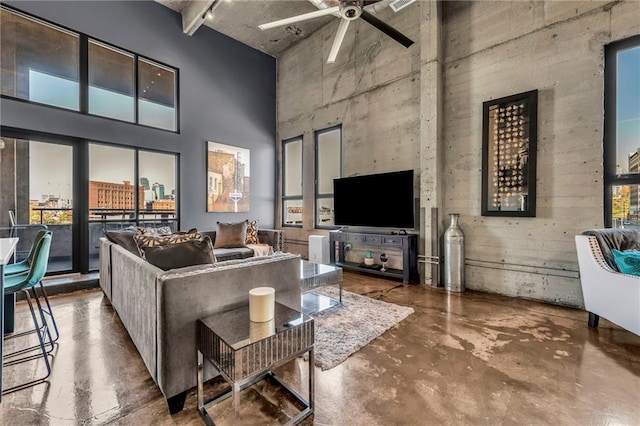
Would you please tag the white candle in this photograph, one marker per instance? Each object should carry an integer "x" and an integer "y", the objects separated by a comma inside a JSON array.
[{"x": 262, "y": 304}]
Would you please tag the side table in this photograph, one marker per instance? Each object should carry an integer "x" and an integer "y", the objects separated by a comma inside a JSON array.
[{"x": 245, "y": 352}]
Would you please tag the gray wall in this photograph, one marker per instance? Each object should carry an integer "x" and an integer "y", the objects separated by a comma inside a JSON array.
[{"x": 227, "y": 95}]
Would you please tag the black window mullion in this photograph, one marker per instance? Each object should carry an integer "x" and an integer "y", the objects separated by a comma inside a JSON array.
[
  {"x": 136, "y": 192},
  {"x": 84, "y": 74},
  {"x": 135, "y": 89},
  {"x": 81, "y": 232}
]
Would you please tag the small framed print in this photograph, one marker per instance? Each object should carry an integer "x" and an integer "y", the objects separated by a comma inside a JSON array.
[{"x": 509, "y": 144}]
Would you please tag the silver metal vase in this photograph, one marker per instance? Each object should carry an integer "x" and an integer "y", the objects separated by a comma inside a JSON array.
[{"x": 454, "y": 256}]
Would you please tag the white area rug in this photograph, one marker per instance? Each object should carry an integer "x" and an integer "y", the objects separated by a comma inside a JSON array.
[{"x": 343, "y": 330}]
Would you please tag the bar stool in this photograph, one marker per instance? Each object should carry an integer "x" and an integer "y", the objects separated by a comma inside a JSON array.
[
  {"x": 26, "y": 282},
  {"x": 21, "y": 268}
]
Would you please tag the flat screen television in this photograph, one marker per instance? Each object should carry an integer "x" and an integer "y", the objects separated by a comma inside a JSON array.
[{"x": 382, "y": 200}]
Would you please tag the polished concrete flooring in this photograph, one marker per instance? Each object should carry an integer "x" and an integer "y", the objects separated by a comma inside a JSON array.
[{"x": 462, "y": 359}]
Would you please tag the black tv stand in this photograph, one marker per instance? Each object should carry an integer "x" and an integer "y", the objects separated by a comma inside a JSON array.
[{"x": 407, "y": 243}]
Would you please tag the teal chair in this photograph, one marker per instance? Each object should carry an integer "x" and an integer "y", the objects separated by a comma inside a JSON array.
[
  {"x": 24, "y": 283},
  {"x": 23, "y": 267}
]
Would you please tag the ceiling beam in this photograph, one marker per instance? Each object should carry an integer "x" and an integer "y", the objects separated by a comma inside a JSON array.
[{"x": 194, "y": 15}]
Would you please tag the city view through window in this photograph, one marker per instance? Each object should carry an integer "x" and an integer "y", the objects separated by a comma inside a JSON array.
[
  {"x": 111, "y": 188},
  {"x": 626, "y": 198}
]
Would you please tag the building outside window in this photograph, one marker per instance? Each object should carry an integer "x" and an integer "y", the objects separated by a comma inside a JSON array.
[
  {"x": 622, "y": 134},
  {"x": 292, "y": 182},
  {"x": 328, "y": 145}
]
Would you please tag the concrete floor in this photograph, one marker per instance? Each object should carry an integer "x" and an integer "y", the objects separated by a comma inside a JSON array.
[{"x": 459, "y": 359}]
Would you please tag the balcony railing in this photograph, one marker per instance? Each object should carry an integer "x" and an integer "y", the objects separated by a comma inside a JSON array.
[{"x": 57, "y": 215}]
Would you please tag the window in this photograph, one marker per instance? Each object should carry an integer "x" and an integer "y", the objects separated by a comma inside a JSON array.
[
  {"x": 157, "y": 95},
  {"x": 622, "y": 133},
  {"x": 292, "y": 182},
  {"x": 111, "y": 82},
  {"x": 37, "y": 188},
  {"x": 328, "y": 167},
  {"x": 115, "y": 201},
  {"x": 39, "y": 61}
]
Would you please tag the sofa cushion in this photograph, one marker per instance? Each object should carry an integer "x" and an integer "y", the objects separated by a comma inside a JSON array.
[
  {"x": 178, "y": 255},
  {"x": 615, "y": 238},
  {"x": 223, "y": 254},
  {"x": 628, "y": 261},
  {"x": 252, "y": 232},
  {"x": 231, "y": 235},
  {"x": 149, "y": 240}
]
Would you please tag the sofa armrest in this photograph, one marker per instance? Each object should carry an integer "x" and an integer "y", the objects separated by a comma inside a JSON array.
[
  {"x": 273, "y": 237},
  {"x": 607, "y": 293}
]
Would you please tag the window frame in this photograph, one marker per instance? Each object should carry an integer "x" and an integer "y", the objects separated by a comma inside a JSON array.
[
  {"x": 83, "y": 70},
  {"x": 285, "y": 198},
  {"x": 317, "y": 195},
  {"x": 80, "y": 237},
  {"x": 611, "y": 178}
]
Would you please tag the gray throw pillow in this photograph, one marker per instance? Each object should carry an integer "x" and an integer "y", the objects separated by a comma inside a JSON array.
[
  {"x": 231, "y": 235},
  {"x": 179, "y": 255},
  {"x": 124, "y": 238}
]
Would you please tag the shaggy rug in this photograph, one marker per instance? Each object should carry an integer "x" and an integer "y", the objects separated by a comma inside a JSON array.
[{"x": 344, "y": 329}]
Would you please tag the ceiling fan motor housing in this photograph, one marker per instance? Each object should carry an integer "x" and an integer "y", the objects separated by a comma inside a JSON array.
[{"x": 351, "y": 9}]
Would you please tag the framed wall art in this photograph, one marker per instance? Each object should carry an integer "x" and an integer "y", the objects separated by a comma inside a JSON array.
[
  {"x": 228, "y": 178},
  {"x": 509, "y": 136}
]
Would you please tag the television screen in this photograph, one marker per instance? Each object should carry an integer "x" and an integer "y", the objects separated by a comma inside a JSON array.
[{"x": 383, "y": 200}]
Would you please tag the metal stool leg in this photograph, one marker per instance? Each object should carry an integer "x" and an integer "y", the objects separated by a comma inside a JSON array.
[
  {"x": 42, "y": 349},
  {"x": 49, "y": 312}
]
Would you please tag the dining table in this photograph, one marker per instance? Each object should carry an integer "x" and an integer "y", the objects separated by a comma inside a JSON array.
[{"x": 7, "y": 249}]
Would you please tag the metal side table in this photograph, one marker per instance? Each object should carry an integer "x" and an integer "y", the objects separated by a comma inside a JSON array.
[{"x": 245, "y": 352}]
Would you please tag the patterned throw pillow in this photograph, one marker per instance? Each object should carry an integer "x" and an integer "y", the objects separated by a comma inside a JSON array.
[
  {"x": 252, "y": 232},
  {"x": 162, "y": 230},
  {"x": 149, "y": 240},
  {"x": 628, "y": 261}
]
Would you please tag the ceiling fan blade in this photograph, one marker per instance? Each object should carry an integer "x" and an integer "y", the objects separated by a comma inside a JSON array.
[
  {"x": 387, "y": 29},
  {"x": 337, "y": 42},
  {"x": 300, "y": 18}
]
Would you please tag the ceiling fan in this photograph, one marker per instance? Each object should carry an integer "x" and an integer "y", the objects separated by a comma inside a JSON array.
[{"x": 348, "y": 10}]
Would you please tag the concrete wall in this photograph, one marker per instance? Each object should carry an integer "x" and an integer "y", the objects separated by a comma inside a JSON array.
[
  {"x": 372, "y": 89},
  {"x": 227, "y": 95},
  {"x": 472, "y": 52},
  {"x": 495, "y": 49}
]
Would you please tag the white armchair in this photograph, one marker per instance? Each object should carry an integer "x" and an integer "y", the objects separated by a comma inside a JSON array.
[{"x": 607, "y": 292}]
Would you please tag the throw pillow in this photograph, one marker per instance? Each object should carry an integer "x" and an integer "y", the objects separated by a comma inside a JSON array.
[
  {"x": 628, "y": 261},
  {"x": 163, "y": 230},
  {"x": 252, "y": 232},
  {"x": 124, "y": 238},
  {"x": 231, "y": 235},
  {"x": 187, "y": 253},
  {"x": 148, "y": 240}
]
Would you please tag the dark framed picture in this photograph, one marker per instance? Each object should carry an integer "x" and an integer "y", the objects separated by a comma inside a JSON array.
[{"x": 509, "y": 136}]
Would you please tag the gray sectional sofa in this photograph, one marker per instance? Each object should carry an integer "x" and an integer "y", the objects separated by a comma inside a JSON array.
[{"x": 160, "y": 308}]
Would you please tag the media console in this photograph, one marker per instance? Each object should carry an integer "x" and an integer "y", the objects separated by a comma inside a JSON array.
[{"x": 408, "y": 244}]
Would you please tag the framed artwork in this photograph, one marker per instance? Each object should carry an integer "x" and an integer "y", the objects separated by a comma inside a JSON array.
[
  {"x": 509, "y": 136},
  {"x": 228, "y": 178}
]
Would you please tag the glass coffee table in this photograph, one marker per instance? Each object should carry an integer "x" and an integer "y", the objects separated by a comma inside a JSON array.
[
  {"x": 245, "y": 352},
  {"x": 313, "y": 276}
]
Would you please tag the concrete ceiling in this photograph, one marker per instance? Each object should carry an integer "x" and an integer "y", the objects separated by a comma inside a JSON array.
[{"x": 239, "y": 19}]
